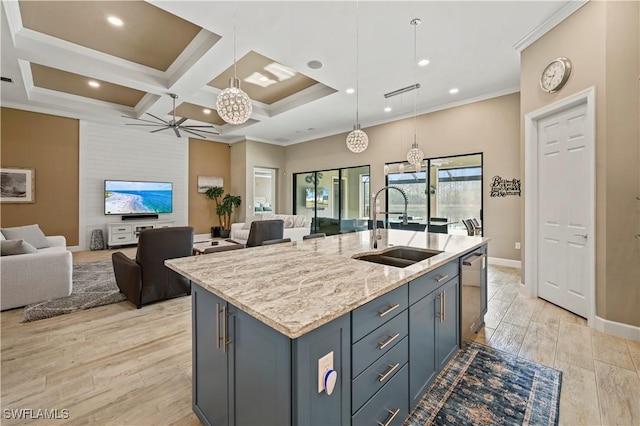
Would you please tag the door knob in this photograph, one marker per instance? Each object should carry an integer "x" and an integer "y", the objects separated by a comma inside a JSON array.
[{"x": 581, "y": 235}]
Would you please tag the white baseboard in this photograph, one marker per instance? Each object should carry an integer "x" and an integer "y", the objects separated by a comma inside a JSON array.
[
  {"x": 505, "y": 262},
  {"x": 75, "y": 248},
  {"x": 619, "y": 329}
]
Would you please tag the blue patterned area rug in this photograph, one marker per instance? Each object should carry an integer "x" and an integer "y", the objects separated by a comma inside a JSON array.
[{"x": 484, "y": 386}]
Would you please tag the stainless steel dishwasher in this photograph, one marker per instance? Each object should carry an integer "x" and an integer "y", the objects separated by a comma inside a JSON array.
[{"x": 473, "y": 291}]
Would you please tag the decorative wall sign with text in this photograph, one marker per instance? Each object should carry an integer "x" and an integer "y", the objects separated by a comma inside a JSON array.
[{"x": 502, "y": 187}]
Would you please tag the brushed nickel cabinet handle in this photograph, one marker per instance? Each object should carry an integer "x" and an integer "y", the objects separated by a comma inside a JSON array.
[
  {"x": 444, "y": 305},
  {"x": 442, "y": 278},
  {"x": 224, "y": 329},
  {"x": 217, "y": 325},
  {"x": 391, "y": 369},
  {"x": 393, "y": 416},
  {"x": 391, "y": 308},
  {"x": 389, "y": 340}
]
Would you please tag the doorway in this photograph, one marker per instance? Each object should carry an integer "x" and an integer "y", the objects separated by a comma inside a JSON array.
[
  {"x": 560, "y": 203},
  {"x": 264, "y": 190}
]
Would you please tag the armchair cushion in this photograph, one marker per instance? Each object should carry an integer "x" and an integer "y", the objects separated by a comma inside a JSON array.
[
  {"x": 30, "y": 233},
  {"x": 13, "y": 247}
]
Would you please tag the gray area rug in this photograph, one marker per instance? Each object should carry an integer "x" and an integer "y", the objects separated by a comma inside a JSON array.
[{"x": 94, "y": 285}]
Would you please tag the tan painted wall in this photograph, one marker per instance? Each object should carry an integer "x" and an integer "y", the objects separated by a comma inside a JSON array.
[
  {"x": 50, "y": 145},
  {"x": 602, "y": 41},
  {"x": 239, "y": 177},
  {"x": 206, "y": 158},
  {"x": 490, "y": 127}
]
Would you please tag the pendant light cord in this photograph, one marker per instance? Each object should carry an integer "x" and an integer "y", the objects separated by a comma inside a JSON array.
[
  {"x": 415, "y": 77},
  {"x": 235, "y": 18},
  {"x": 357, "y": 69}
]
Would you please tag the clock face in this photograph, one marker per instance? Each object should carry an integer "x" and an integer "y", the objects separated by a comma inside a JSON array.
[{"x": 555, "y": 75}]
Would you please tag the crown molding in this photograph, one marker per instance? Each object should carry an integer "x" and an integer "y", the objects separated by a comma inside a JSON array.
[{"x": 563, "y": 13}]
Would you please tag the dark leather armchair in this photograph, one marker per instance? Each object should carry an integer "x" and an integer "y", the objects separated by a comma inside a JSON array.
[
  {"x": 263, "y": 230},
  {"x": 146, "y": 279}
]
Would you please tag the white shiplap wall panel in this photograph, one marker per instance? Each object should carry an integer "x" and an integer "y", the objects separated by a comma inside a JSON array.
[{"x": 120, "y": 153}]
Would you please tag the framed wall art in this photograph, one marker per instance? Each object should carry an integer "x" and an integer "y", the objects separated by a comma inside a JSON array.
[
  {"x": 206, "y": 182},
  {"x": 17, "y": 185}
]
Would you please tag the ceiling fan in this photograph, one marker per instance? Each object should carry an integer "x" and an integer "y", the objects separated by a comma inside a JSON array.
[{"x": 173, "y": 124}]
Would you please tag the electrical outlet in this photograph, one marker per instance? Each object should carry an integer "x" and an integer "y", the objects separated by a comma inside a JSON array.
[
  {"x": 324, "y": 364},
  {"x": 518, "y": 245}
]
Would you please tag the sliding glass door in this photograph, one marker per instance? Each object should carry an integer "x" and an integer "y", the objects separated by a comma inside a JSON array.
[{"x": 335, "y": 201}]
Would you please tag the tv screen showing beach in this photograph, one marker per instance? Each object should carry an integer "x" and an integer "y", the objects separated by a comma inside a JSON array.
[{"x": 128, "y": 197}]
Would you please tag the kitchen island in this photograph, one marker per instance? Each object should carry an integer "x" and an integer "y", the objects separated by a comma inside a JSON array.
[{"x": 274, "y": 326}]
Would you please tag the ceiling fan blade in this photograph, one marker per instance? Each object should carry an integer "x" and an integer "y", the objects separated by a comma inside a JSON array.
[
  {"x": 164, "y": 128},
  {"x": 199, "y": 130},
  {"x": 158, "y": 118},
  {"x": 142, "y": 119},
  {"x": 182, "y": 120},
  {"x": 175, "y": 129},
  {"x": 194, "y": 133},
  {"x": 151, "y": 125}
]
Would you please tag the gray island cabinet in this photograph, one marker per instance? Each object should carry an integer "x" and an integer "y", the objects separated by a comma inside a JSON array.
[{"x": 264, "y": 318}]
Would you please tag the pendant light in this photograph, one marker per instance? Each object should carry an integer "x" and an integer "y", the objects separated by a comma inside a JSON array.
[
  {"x": 415, "y": 154},
  {"x": 357, "y": 140},
  {"x": 234, "y": 105}
]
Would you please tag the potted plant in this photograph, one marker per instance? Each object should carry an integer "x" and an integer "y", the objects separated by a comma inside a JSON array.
[
  {"x": 225, "y": 210},
  {"x": 216, "y": 193}
]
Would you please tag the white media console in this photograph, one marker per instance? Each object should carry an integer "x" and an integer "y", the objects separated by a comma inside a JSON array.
[{"x": 124, "y": 233}]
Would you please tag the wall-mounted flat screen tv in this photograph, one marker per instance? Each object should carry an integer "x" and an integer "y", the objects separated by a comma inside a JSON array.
[{"x": 135, "y": 197}]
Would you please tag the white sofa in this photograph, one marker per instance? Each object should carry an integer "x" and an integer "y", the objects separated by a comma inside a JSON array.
[
  {"x": 36, "y": 277},
  {"x": 295, "y": 227}
]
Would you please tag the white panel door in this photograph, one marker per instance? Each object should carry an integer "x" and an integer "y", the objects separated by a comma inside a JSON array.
[{"x": 563, "y": 198}]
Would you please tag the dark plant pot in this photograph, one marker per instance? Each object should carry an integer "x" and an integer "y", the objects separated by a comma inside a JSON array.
[
  {"x": 224, "y": 233},
  {"x": 215, "y": 231}
]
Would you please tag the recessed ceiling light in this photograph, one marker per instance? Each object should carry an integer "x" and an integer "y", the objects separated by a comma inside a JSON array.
[
  {"x": 423, "y": 62},
  {"x": 94, "y": 84},
  {"x": 454, "y": 91},
  {"x": 206, "y": 111},
  {"x": 387, "y": 109},
  {"x": 315, "y": 64},
  {"x": 115, "y": 21},
  {"x": 350, "y": 91}
]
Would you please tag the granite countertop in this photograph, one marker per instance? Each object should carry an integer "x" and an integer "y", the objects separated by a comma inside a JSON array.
[{"x": 297, "y": 287}]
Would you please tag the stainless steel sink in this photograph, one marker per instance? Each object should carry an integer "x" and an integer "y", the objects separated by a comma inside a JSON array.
[{"x": 400, "y": 257}]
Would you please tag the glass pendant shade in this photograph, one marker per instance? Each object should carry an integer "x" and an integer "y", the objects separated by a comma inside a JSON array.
[
  {"x": 357, "y": 140},
  {"x": 234, "y": 105},
  {"x": 415, "y": 155}
]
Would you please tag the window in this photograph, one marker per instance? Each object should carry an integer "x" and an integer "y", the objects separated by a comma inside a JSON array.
[{"x": 451, "y": 189}]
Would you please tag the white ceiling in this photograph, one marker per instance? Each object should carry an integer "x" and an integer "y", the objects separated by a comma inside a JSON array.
[{"x": 470, "y": 46}]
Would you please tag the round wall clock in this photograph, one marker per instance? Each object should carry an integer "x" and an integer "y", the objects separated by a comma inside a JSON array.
[{"x": 555, "y": 75}]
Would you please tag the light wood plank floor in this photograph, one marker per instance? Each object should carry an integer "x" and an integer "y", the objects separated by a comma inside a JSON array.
[{"x": 117, "y": 365}]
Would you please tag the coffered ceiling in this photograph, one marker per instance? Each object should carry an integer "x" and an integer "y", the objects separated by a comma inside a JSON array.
[{"x": 53, "y": 50}]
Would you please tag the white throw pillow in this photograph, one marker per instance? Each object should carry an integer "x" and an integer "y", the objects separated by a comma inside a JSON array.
[
  {"x": 249, "y": 220},
  {"x": 2, "y": 238},
  {"x": 300, "y": 221},
  {"x": 13, "y": 247},
  {"x": 30, "y": 233},
  {"x": 270, "y": 216}
]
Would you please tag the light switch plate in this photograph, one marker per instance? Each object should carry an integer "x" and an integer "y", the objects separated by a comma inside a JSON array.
[{"x": 324, "y": 364}]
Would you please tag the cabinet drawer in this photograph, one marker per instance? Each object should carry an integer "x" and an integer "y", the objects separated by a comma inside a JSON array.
[
  {"x": 375, "y": 313},
  {"x": 379, "y": 374},
  {"x": 120, "y": 238},
  {"x": 425, "y": 284},
  {"x": 121, "y": 229},
  {"x": 390, "y": 401},
  {"x": 377, "y": 343}
]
